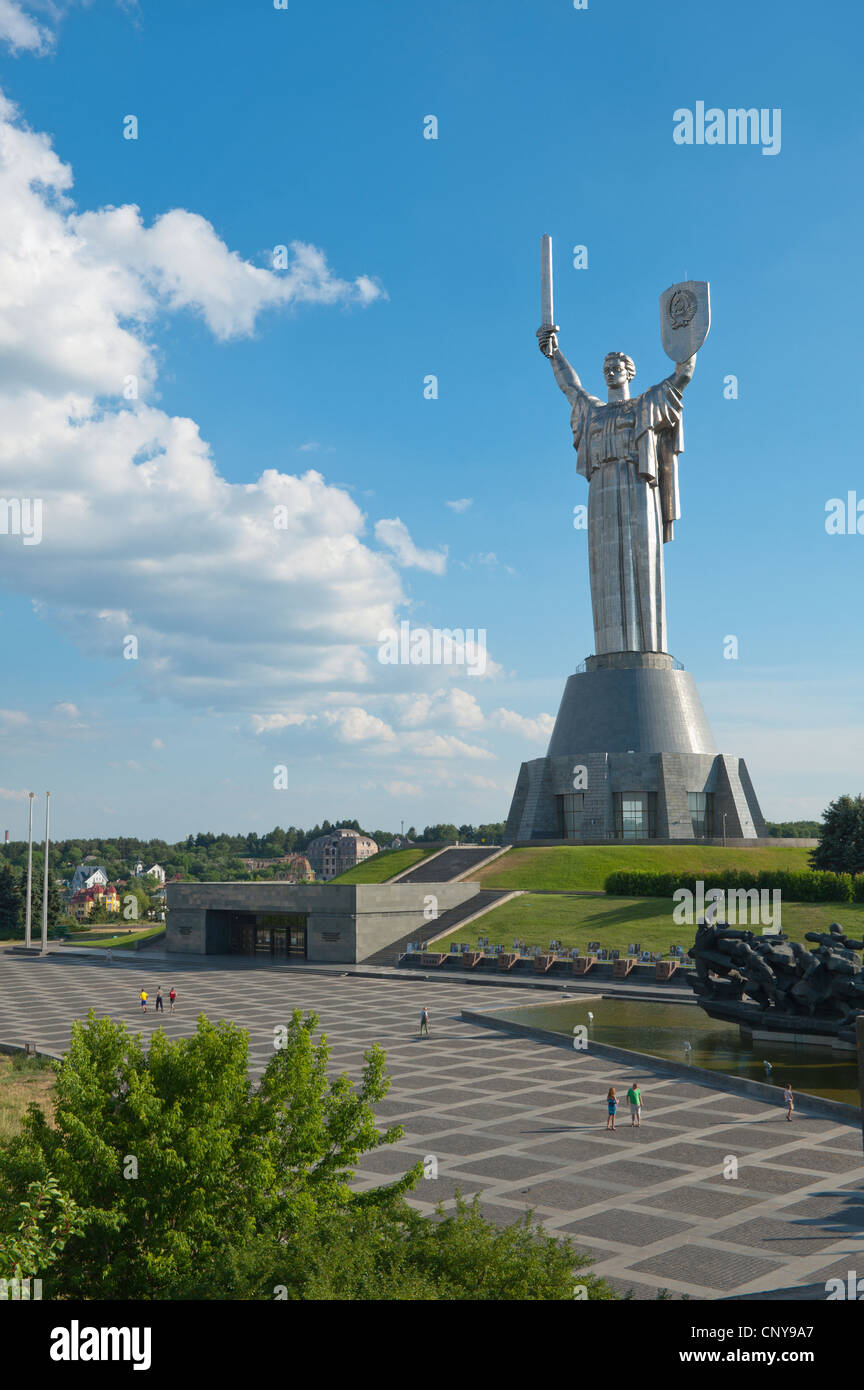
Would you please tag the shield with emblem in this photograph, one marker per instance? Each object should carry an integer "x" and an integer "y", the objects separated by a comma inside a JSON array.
[{"x": 685, "y": 317}]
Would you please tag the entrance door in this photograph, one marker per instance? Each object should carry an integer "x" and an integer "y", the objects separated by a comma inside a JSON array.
[
  {"x": 242, "y": 940},
  {"x": 297, "y": 941},
  {"x": 275, "y": 935}
]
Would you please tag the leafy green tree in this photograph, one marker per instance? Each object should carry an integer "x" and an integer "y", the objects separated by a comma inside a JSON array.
[
  {"x": 436, "y": 833},
  {"x": 11, "y": 902},
  {"x": 841, "y": 837},
  {"x": 214, "y": 1161},
  {"x": 56, "y": 908},
  {"x": 37, "y": 1231},
  {"x": 137, "y": 911},
  {"x": 181, "y": 1179},
  {"x": 393, "y": 1253}
]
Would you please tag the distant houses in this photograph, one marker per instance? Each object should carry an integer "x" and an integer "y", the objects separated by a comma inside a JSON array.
[
  {"x": 88, "y": 876},
  {"x": 82, "y": 902},
  {"x": 295, "y": 868},
  {"x": 89, "y": 888},
  {"x": 333, "y": 854},
  {"x": 155, "y": 871}
]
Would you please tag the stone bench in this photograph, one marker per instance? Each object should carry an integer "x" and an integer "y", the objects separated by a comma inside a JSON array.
[
  {"x": 543, "y": 963},
  {"x": 665, "y": 969},
  {"x": 582, "y": 964},
  {"x": 470, "y": 959},
  {"x": 434, "y": 957},
  {"x": 622, "y": 967}
]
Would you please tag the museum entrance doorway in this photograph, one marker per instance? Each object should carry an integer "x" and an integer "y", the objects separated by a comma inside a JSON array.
[{"x": 277, "y": 935}]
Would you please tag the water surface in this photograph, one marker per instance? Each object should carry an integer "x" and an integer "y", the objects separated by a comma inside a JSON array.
[{"x": 662, "y": 1029}]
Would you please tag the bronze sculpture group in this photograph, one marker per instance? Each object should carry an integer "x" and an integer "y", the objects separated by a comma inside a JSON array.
[{"x": 776, "y": 984}]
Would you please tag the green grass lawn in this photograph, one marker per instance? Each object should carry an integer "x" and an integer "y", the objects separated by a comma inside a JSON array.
[
  {"x": 538, "y": 918},
  {"x": 118, "y": 943},
  {"x": 384, "y": 865},
  {"x": 588, "y": 866},
  {"x": 23, "y": 1081}
]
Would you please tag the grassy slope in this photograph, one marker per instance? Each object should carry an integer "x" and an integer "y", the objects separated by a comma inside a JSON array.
[
  {"x": 615, "y": 922},
  {"x": 21, "y": 1082},
  {"x": 383, "y": 866},
  {"x": 119, "y": 943},
  {"x": 587, "y": 866}
]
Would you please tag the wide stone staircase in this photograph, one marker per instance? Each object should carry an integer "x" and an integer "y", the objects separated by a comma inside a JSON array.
[
  {"x": 450, "y": 864},
  {"x": 448, "y": 922}
]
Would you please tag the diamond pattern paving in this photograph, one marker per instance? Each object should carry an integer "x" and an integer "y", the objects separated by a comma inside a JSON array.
[{"x": 521, "y": 1122}]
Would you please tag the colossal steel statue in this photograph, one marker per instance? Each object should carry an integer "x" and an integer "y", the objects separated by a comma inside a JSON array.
[
  {"x": 628, "y": 451},
  {"x": 631, "y": 755}
]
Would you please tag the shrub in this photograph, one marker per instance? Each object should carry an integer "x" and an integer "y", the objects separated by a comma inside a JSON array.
[{"x": 806, "y": 886}]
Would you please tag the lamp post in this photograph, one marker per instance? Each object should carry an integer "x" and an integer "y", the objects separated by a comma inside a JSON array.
[
  {"x": 724, "y": 829},
  {"x": 29, "y": 906},
  {"x": 45, "y": 879}
]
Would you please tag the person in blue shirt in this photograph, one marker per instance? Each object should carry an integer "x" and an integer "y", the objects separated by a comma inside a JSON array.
[{"x": 612, "y": 1107}]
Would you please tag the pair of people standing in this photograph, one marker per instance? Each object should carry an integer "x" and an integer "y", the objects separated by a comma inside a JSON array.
[{"x": 634, "y": 1096}]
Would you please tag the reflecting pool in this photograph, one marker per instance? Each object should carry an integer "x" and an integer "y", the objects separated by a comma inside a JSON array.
[{"x": 661, "y": 1030}]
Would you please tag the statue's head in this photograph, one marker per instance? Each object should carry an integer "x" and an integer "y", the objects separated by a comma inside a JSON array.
[{"x": 618, "y": 369}]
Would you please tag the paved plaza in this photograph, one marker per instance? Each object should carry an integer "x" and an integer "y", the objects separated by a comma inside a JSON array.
[{"x": 522, "y": 1122}]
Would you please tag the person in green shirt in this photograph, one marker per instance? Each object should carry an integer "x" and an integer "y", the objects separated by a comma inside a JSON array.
[{"x": 634, "y": 1095}]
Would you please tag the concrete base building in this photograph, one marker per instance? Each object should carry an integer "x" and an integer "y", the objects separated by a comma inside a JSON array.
[
  {"x": 632, "y": 758},
  {"x": 341, "y": 923}
]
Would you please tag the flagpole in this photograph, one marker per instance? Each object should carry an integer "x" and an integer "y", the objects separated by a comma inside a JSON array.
[
  {"x": 29, "y": 907},
  {"x": 45, "y": 881}
]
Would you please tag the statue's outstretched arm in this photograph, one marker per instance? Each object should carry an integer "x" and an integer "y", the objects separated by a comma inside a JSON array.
[
  {"x": 564, "y": 374},
  {"x": 683, "y": 373}
]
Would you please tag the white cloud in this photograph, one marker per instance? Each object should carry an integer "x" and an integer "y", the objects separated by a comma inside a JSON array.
[
  {"x": 454, "y": 707},
  {"x": 225, "y": 606},
  {"x": 356, "y": 725},
  {"x": 461, "y": 505},
  {"x": 20, "y": 30},
  {"x": 67, "y": 710},
  {"x": 181, "y": 263},
  {"x": 13, "y": 716},
  {"x": 397, "y": 788},
  {"x": 395, "y": 535},
  {"x": 432, "y": 745},
  {"x": 538, "y": 730},
  {"x": 144, "y": 537},
  {"x": 271, "y": 723}
]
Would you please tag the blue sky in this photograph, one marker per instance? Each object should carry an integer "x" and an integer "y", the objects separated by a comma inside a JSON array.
[{"x": 260, "y": 128}]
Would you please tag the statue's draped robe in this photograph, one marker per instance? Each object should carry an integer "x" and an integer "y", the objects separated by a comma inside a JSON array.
[{"x": 628, "y": 452}]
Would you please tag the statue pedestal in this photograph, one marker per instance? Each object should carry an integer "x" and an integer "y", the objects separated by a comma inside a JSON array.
[{"x": 632, "y": 758}]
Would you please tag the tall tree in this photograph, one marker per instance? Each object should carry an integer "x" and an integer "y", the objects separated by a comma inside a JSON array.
[
  {"x": 841, "y": 838},
  {"x": 11, "y": 902},
  {"x": 55, "y": 904},
  {"x": 174, "y": 1177}
]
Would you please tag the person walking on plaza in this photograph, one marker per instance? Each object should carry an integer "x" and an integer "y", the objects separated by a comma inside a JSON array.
[
  {"x": 424, "y": 1022},
  {"x": 172, "y": 995},
  {"x": 160, "y": 1004},
  {"x": 788, "y": 1101},
  {"x": 143, "y": 997},
  {"x": 612, "y": 1108},
  {"x": 634, "y": 1095}
]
